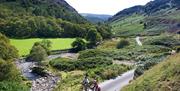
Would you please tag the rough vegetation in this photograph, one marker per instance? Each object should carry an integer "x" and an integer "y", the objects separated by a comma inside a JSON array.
[
  {"x": 10, "y": 78},
  {"x": 163, "y": 77},
  {"x": 80, "y": 64}
]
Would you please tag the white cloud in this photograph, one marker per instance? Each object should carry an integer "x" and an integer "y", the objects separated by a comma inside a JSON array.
[{"x": 104, "y": 6}]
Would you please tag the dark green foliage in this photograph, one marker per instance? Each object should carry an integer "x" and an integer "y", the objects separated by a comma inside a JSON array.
[
  {"x": 104, "y": 30},
  {"x": 80, "y": 64},
  {"x": 79, "y": 44},
  {"x": 123, "y": 43},
  {"x": 42, "y": 19},
  {"x": 93, "y": 37},
  {"x": 37, "y": 53},
  {"x": 13, "y": 86},
  {"x": 59, "y": 9},
  {"x": 7, "y": 51}
]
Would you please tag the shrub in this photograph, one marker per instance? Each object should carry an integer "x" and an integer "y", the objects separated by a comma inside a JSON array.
[
  {"x": 8, "y": 71},
  {"x": 123, "y": 43},
  {"x": 93, "y": 37},
  {"x": 38, "y": 54},
  {"x": 114, "y": 54},
  {"x": 79, "y": 44},
  {"x": 7, "y": 51},
  {"x": 80, "y": 64},
  {"x": 46, "y": 44},
  {"x": 93, "y": 53},
  {"x": 147, "y": 62}
]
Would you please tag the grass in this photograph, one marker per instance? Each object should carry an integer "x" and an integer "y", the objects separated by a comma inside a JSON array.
[
  {"x": 162, "y": 77},
  {"x": 130, "y": 25},
  {"x": 24, "y": 45}
]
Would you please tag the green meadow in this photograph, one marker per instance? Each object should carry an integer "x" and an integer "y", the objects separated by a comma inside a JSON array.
[{"x": 25, "y": 45}]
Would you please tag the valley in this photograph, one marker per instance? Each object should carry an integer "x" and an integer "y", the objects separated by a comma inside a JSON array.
[{"x": 46, "y": 45}]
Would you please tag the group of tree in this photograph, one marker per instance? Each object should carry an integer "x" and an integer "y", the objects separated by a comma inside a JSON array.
[
  {"x": 10, "y": 78},
  {"x": 27, "y": 20},
  {"x": 93, "y": 38},
  {"x": 28, "y": 27}
]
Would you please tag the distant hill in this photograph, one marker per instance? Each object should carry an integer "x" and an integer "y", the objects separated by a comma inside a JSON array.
[
  {"x": 127, "y": 12},
  {"x": 162, "y": 77},
  {"x": 95, "y": 18},
  {"x": 154, "y": 18}
]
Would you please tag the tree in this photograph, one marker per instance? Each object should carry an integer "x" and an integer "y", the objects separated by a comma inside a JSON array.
[
  {"x": 7, "y": 51},
  {"x": 46, "y": 44},
  {"x": 93, "y": 37},
  {"x": 122, "y": 44},
  {"x": 104, "y": 30},
  {"x": 79, "y": 44},
  {"x": 38, "y": 53}
]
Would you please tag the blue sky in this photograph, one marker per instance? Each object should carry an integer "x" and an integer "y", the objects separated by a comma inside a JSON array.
[{"x": 110, "y": 7}]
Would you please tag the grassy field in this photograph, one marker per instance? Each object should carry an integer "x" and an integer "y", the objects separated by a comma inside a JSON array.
[{"x": 24, "y": 45}]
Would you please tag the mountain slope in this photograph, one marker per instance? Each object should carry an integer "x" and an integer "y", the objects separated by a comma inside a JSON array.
[
  {"x": 43, "y": 19},
  {"x": 55, "y": 8},
  {"x": 157, "y": 17},
  {"x": 40, "y": 18},
  {"x": 127, "y": 12},
  {"x": 95, "y": 18},
  {"x": 163, "y": 77}
]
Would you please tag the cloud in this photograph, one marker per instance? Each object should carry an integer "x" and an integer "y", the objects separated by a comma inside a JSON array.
[{"x": 104, "y": 6}]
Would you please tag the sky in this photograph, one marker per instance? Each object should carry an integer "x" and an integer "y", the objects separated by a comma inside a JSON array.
[{"x": 110, "y": 7}]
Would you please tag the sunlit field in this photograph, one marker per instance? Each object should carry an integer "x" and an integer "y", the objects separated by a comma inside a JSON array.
[{"x": 24, "y": 45}]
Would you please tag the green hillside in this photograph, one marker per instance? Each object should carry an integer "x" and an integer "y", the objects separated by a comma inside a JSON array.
[
  {"x": 42, "y": 19},
  {"x": 154, "y": 18},
  {"x": 163, "y": 77},
  {"x": 128, "y": 26}
]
